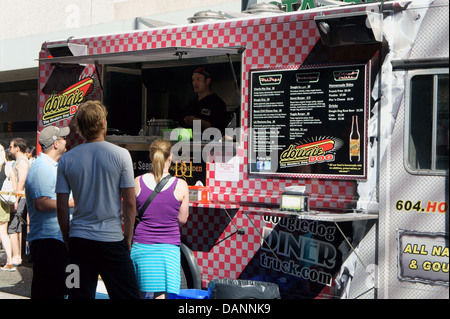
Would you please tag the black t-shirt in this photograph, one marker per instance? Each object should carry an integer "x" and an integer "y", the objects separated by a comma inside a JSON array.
[{"x": 211, "y": 108}]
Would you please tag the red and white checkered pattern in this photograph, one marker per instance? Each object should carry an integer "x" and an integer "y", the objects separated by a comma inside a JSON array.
[
  {"x": 219, "y": 249},
  {"x": 269, "y": 42}
]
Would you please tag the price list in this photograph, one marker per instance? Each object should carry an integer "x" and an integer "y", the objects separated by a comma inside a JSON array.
[{"x": 309, "y": 121}]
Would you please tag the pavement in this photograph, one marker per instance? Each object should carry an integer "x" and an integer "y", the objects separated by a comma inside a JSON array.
[{"x": 17, "y": 284}]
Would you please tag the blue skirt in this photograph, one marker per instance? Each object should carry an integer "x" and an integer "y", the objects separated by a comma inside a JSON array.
[{"x": 157, "y": 267}]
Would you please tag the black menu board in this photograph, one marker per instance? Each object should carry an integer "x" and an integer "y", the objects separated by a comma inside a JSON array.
[{"x": 309, "y": 122}]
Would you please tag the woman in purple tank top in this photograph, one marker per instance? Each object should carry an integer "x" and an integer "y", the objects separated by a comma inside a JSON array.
[{"x": 156, "y": 242}]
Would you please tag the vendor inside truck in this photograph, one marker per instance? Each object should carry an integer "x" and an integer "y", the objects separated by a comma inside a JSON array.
[{"x": 206, "y": 105}]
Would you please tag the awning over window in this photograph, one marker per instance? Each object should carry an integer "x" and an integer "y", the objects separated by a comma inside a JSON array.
[{"x": 149, "y": 55}]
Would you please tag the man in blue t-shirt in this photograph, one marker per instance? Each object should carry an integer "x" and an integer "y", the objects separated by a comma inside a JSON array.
[
  {"x": 100, "y": 176},
  {"x": 48, "y": 252}
]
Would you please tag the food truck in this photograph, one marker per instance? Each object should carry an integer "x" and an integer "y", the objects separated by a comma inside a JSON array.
[{"x": 332, "y": 177}]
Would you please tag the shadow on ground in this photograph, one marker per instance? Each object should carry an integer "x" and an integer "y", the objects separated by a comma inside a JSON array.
[{"x": 16, "y": 282}]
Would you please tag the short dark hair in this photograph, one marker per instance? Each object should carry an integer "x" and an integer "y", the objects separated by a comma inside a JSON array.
[
  {"x": 20, "y": 142},
  {"x": 203, "y": 71}
]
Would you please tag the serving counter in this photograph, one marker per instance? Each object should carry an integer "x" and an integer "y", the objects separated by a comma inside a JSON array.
[
  {"x": 190, "y": 158},
  {"x": 327, "y": 216}
]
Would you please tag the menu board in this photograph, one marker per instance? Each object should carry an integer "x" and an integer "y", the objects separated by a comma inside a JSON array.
[{"x": 309, "y": 122}]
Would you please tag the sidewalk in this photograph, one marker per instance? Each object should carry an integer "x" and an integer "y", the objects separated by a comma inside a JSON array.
[
  {"x": 4, "y": 295},
  {"x": 17, "y": 284}
]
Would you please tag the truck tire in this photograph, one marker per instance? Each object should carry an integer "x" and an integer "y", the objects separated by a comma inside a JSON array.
[
  {"x": 183, "y": 282},
  {"x": 189, "y": 269}
]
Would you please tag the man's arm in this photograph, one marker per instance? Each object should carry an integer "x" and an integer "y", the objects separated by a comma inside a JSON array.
[
  {"x": 45, "y": 204},
  {"x": 189, "y": 120},
  {"x": 62, "y": 212},
  {"x": 22, "y": 170},
  {"x": 129, "y": 213}
]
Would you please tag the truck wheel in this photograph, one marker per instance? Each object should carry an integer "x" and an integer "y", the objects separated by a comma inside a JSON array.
[
  {"x": 190, "y": 268},
  {"x": 185, "y": 274},
  {"x": 183, "y": 282}
]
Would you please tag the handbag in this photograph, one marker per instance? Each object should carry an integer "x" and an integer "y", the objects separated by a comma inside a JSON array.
[
  {"x": 155, "y": 192},
  {"x": 6, "y": 190}
]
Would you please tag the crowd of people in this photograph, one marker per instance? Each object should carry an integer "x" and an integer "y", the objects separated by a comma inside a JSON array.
[
  {"x": 82, "y": 207},
  {"x": 14, "y": 165}
]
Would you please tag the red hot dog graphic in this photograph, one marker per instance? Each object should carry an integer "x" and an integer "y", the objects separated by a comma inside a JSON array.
[
  {"x": 62, "y": 105},
  {"x": 307, "y": 153}
]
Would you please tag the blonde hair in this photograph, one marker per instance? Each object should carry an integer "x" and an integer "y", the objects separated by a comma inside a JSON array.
[
  {"x": 90, "y": 119},
  {"x": 159, "y": 153}
]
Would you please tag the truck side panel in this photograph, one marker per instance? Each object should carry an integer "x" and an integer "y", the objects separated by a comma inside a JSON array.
[{"x": 413, "y": 230}]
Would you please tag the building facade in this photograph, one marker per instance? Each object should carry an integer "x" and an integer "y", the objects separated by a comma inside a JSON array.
[{"x": 26, "y": 24}]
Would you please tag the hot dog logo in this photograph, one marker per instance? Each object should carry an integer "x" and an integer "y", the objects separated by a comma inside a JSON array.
[
  {"x": 65, "y": 104},
  {"x": 321, "y": 150}
]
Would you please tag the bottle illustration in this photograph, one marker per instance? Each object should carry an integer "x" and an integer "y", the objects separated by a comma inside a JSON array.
[{"x": 355, "y": 143}]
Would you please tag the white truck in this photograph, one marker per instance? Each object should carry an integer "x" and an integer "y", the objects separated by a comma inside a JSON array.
[{"x": 347, "y": 102}]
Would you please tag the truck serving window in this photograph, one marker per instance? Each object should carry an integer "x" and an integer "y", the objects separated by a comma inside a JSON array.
[{"x": 427, "y": 122}]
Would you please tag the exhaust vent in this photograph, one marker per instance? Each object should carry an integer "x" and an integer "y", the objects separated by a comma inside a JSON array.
[
  {"x": 207, "y": 15},
  {"x": 263, "y": 8}
]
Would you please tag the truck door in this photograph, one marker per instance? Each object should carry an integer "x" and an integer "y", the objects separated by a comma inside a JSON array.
[{"x": 414, "y": 191}]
